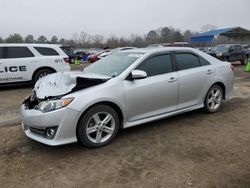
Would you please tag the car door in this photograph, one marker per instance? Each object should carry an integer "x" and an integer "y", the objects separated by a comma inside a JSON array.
[
  {"x": 232, "y": 54},
  {"x": 239, "y": 53},
  {"x": 154, "y": 95},
  {"x": 18, "y": 61},
  {"x": 195, "y": 75}
]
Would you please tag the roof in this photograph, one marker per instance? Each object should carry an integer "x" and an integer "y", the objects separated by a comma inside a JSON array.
[
  {"x": 28, "y": 44},
  {"x": 214, "y": 32},
  {"x": 228, "y": 32},
  {"x": 157, "y": 49}
]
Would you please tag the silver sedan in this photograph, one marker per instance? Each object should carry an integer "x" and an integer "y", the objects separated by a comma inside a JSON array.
[{"x": 122, "y": 90}]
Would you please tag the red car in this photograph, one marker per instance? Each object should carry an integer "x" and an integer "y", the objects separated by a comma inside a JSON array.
[{"x": 94, "y": 57}]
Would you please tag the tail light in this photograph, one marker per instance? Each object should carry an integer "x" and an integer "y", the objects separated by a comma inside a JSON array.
[
  {"x": 232, "y": 68},
  {"x": 66, "y": 60}
]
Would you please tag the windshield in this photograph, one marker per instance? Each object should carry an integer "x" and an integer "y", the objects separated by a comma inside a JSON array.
[
  {"x": 222, "y": 49},
  {"x": 114, "y": 64}
]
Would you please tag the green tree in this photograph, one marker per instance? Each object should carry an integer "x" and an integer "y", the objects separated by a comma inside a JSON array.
[
  {"x": 178, "y": 37},
  {"x": 14, "y": 38},
  {"x": 165, "y": 34},
  {"x": 62, "y": 41},
  {"x": 152, "y": 37},
  {"x": 42, "y": 39},
  {"x": 54, "y": 40},
  {"x": 188, "y": 35},
  {"x": 29, "y": 39},
  {"x": 1, "y": 40}
]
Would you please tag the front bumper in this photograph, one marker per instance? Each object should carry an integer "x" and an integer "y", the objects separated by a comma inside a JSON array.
[{"x": 64, "y": 119}]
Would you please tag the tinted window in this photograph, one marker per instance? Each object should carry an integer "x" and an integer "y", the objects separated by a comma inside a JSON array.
[
  {"x": 18, "y": 52},
  {"x": 238, "y": 48},
  {"x": 1, "y": 52},
  {"x": 156, "y": 65},
  {"x": 203, "y": 62},
  {"x": 46, "y": 51},
  {"x": 232, "y": 48},
  {"x": 186, "y": 61}
]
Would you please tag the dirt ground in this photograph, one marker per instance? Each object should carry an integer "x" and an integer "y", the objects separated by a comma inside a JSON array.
[{"x": 189, "y": 150}]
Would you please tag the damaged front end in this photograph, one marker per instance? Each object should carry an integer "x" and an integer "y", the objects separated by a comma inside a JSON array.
[{"x": 48, "y": 92}]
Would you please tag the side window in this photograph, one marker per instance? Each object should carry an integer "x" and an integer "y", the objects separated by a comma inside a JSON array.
[
  {"x": 157, "y": 65},
  {"x": 232, "y": 48},
  {"x": 46, "y": 51},
  {"x": 186, "y": 61},
  {"x": 238, "y": 48},
  {"x": 1, "y": 53},
  {"x": 18, "y": 52},
  {"x": 203, "y": 62}
]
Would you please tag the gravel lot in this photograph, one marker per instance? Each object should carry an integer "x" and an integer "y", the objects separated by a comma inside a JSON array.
[{"x": 189, "y": 150}]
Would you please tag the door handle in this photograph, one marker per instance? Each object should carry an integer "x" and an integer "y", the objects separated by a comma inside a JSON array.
[
  {"x": 172, "y": 79},
  {"x": 209, "y": 72}
]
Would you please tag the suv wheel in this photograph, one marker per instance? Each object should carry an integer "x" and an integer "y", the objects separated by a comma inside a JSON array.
[
  {"x": 98, "y": 126},
  {"x": 213, "y": 99},
  {"x": 41, "y": 73}
]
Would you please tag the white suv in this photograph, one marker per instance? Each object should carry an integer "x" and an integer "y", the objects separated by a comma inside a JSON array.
[{"x": 29, "y": 62}]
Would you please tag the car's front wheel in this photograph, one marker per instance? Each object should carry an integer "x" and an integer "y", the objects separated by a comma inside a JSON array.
[
  {"x": 98, "y": 126},
  {"x": 41, "y": 73},
  {"x": 213, "y": 99}
]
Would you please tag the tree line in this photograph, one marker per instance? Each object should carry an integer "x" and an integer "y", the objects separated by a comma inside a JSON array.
[{"x": 85, "y": 40}]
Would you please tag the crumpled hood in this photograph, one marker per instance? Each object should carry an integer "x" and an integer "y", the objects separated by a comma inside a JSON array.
[{"x": 62, "y": 83}]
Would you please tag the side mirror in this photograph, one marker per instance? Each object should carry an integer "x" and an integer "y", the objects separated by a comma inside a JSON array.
[
  {"x": 231, "y": 50},
  {"x": 138, "y": 74}
]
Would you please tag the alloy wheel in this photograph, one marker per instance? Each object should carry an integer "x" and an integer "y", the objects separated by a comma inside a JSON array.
[
  {"x": 100, "y": 127},
  {"x": 214, "y": 99}
]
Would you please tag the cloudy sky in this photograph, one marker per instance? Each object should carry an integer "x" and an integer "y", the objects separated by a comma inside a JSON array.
[{"x": 118, "y": 17}]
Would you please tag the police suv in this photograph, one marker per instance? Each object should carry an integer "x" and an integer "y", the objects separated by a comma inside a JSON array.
[{"x": 29, "y": 62}]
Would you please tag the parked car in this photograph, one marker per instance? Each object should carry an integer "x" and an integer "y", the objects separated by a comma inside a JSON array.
[
  {"x": 177, "y": 44},
  {"x": 81, "y": 55},
  {"x": 96, "y": 56},
  {"x": 122, "y": 90},
  {"x": 155, "y": 46},
  {"x": 230, "y": 53},
  {"x": 29, "y": 62},
  {"x": 204, "y": 49},
  {"x": 69, "y": 51}
]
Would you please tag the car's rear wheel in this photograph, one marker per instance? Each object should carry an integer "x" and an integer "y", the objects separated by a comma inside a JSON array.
[
  {"x": 213, "y": 99},
  {"x": 41, "y": 73},
  {"x": 98, "y": 126}
]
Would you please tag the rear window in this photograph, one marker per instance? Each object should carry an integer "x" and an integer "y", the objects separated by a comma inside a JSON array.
[
  {"x": 186, "y": 61},
  {"x": 17, "y": 52},
  {"x": 46, "y": 51},
  {"x": 204, "y": 62}
]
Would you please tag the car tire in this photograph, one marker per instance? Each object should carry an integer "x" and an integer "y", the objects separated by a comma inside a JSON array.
[
  {"x": 244, "y": 61},
  {"x": 213, "y": 99},
  {"x": 98, "y": 126},
  {"x": 41, "y": 73}
]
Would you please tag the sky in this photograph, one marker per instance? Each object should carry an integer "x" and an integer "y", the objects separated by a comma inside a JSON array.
[{"x": 63, "y": 18}]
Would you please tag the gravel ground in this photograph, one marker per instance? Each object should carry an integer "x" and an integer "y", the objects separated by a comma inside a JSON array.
[{"x": 190, "y": 150}]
